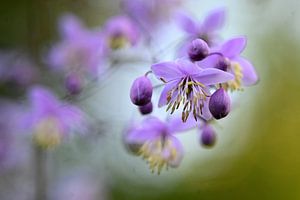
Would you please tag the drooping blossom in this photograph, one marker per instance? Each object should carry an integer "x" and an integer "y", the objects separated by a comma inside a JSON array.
[
  {"x": 219, "y": 104},
  {"x": 152, "y": 13},
  {"x": 207, "y": 136},
  {"x": 121, "y": 31},
  {"x": 207, "y": 29},
  {"x": 228, "y": 59},
  {"x": 141, "y": 91},
  {"x": 51, "y": 120},
  {"x": 187, "y": 85},
  {"x": 155, "y": 141},
  {"x": 80, "y": 50}
]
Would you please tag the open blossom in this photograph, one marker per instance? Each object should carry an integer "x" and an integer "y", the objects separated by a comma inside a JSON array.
[
  {"x": 51, "y": 120},
  {"x": 80, "y": 50},
  {"x": 156, "y": 143},
  {"x": 151, "y": 13},
  {"x": 187, "y": 85},
  {"x": 120, "y": 31},
  {"x": 230, "y": 60}
]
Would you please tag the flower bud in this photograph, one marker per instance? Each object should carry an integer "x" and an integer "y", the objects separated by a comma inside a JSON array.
[
  {"x": 219, "y": 104},
  {"x": 208, "y": 136},
  {"x": 146, "y": 109},
  {"x": 198, "y": 50},
  {"x": 141, "y": 91},
  {"x": 223, "y": 64},
  {"x": 73, "y": 84}
]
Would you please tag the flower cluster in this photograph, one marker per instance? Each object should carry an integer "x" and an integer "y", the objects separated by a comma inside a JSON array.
[{"x": 196, "y": 84}]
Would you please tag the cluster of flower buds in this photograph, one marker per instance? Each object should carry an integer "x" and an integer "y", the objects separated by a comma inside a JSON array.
[{"x": 197, "y": 84}]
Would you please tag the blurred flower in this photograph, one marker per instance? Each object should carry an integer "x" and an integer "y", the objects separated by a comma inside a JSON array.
[
  {"x": 51, "y": 120},
  {"x": 198, "y": 50},
  {"x": 207, "y": 136},
  {"x": 151, "y": 13},
  {"x": 187, "y": 84},
  {"x": 154, "y": 140},
  {"x": 80, "y": 51},
  {"x": 120, "y": 31},
  {"x": 74, "y": 83}
]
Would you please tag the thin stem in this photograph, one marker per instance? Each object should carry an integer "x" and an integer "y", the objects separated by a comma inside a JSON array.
[{"x": 40, "y": 173}]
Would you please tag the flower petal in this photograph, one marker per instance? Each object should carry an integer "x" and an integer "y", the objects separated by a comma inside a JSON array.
[
  {"x": 209, "y": 62},
  {"x": 187, "y": 67},
  {"x": 163, "y": 96},
  {"x": 214, "y": 20},
  {"x": 176, "y": 144},
  {"x": 233, "y": 47},
  {"x": 167, "y": 71},
  {"x": 249, "y": 74},
  {"x": 186, "y": 23},
  {"x": 176, "y": 125},
  {"x": 212, "y": 76}
]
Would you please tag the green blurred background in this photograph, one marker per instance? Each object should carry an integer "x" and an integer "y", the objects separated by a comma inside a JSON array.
[{"x": 257, "y": 156}]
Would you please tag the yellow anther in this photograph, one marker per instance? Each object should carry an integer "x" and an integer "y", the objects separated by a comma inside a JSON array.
[
  {"x": 118, "y": 42},
  {"x": 235, "y": 84}
]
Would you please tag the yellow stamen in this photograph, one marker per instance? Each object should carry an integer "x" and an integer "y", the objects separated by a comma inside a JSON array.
[
  {"x": 118, "y": 42},
  {"x": 235, "y": 84}
]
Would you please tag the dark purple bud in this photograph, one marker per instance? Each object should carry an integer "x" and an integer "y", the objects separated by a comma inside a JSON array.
[
  {"x": 219, "y": 104},
  {"x": 208, "y": 136},
  {"x": 146, "y": 109},
  {"x": 73, "y": 83},
  {"x": 141, "y": 91},
  {"x": 223, "y": 64},
  {"x": 198, "y": 50}
]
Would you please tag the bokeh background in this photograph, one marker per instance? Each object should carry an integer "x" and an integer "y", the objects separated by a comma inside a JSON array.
[{"x": 257, "y": 152}]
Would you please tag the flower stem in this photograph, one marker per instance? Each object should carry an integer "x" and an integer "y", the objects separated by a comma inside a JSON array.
[{"x": 40, "y": 173}]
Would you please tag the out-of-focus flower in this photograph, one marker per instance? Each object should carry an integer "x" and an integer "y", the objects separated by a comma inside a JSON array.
[
  {"x": 74, "y": 83},
  {"x": 207, "y": 136},
  {"x": 198, "y": 50},
  {"x": 187, "y": 84},
  {"x": 79, "y": 187},
  {"x": 141, "y": 91},
  {"x": 80, "y": 50},
  {"x": 219, "y": 104},
  {"x": 120, "y": 31},
  {"x": 16, "y": 69},
  {"x": 228, "y": 59},
  {"x": 51, "y": 120},
  {"x": 151, "y": 13},
  {"x": 154, "y": 140},
  {"x": 205, "y": 30}
]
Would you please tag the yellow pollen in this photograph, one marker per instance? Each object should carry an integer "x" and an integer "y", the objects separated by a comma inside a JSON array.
[
  {"x": 158, "y": 153},
  {"x": 235, "y": 84},
  {"x": 118, "y": 42},
  {"x": 47, "y": 134}
]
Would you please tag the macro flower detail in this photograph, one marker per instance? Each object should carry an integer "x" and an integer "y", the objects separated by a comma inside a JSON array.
[
  {"x": 186, "y": 85},
  {"x": 156, "y": 141},
  {"x": 146, "y": 109},
  {"x": 219, "y": 104},
  {"x": 49, "y": 119},
  {"x": 198, "y": 50},
  {"x": 120, "y": 31},
  {"x": 141, "y": 91}
]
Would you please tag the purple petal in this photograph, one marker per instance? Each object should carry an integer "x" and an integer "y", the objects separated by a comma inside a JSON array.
[
  {"x": 187, "y": 68},
  {"x": 70, "y": 26},
  {"x": 209, "y": 62},
  {"x": 249, "y": 74},
  {"x": 233, "y": 47},
  {"x": 163, "y": 96},
  {"x": 212, "y": 76},
  {"x": 167, "y": 70},
  {"x": 214, "y": 20},
  {"x": 176, "y": 125},
  {"x": 179, "y": 152},
  {"x": 187, "y": 24}
]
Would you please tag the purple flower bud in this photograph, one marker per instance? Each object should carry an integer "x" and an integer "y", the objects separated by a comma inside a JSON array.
[
  {"x": 198, "y": 50},
  {"x": 223, "y": 64},
  {"x": 73, "y": 84},
  {"x": 208, "y": 136},
  {"x": 219, "y": 104},
  {"x": 146, "y": 109},
  {"x": 141, "y": 91}
]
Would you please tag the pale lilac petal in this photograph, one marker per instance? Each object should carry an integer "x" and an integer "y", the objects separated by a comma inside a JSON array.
[
  {"x": 179, "y": 152},
  {"x": 212, "y": 76},
  {"x": 209, "y": 62},
  {"x": 163, "y": 97},
  {"x": 233, "y": 47},
  {"x": 186, "y": 23},
  {"x": 250, "y": 76},
  {"x": 167, "y": 70},
  {"x": 205, "y": 111},
  {"x": 70, "y": 26},
  {"x": 214, "y": 20},
  {"x": 176, "y": 125},
  {"x": 187, "y": 67}
]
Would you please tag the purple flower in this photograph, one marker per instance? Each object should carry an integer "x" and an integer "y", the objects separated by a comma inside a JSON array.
[
  {"x": 74, "y": 83},
  {"x": 205, "y": 30},
  {"x": 208, "y": 136},
  {"x": 156, "y": 142},
  {"x": 198, "y": 50},
  {"x": 81, "y": 50},
  {"x": 187, "y": 85},
  {"x": 146, "y": 109},
  {"x": 152, "y": 13},
  {"x": 51, "y": 120},
  {"x": 229, "y": 60},
  {"x": 219, "y": 104},
  {"x": 120, "y": 31},
  {"x": 141, "y": 91}
]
